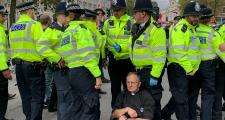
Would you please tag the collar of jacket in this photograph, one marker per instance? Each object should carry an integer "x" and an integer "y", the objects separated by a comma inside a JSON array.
[{"x": 24, "y": 17}]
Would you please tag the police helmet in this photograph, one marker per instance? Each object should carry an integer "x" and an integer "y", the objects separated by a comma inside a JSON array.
[
  {"x": 75, "y": 8},
  {"x": 119, "y": 4},
  {"x": 89, "y": 13},
  {"x": 192, "y": 8},
  {"x": 61, "y": 8},
  {"x": 145, "y": 5},
  {"x": 206, "y": 13}
]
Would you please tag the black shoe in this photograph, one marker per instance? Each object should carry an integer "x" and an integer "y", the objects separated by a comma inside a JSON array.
[{"x": 11, "y": 96}]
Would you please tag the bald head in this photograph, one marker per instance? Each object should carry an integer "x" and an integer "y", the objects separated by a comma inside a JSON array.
[{"x": 45, "y": 20}]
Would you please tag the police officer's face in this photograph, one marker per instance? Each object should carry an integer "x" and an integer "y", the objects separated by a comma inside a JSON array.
[
  {"x": 62, "y": 18},
  {"x": 118, "y": 12},
  {"x": 133, "y": 83},
  {"x": 138, "y": 16},
  {"x": 71, "y": 16},
  {"x": 193, "y": 20}
]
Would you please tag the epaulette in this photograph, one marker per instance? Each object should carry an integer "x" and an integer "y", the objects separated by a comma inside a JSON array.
[
  {"x": 157, "y": 24},
  {"x": 111, "y": 22},
  {"x": 184, "y": 28},
  {"x": 83, "y": 26}
]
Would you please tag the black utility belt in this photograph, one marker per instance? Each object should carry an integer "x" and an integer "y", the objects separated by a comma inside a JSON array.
[{"x": 16, "y": 61}]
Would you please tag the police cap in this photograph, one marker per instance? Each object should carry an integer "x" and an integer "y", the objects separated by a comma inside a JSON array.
[
  {"x": 89, "y": 13},
  {"x": 74, "y": 8},
  {"x": 192, "y": 8},
  {"x": 25, "y": 6},
  {"x": 61, "y": 8}
]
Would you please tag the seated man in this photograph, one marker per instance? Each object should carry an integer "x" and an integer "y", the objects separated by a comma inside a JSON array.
[{"x": 134, "y": 104}]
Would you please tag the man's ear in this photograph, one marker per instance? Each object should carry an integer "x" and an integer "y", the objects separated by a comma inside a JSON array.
[{"x": 139, "y": 84}]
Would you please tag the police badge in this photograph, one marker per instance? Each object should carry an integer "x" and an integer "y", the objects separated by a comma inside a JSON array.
[{"x": 197, "y": 7}]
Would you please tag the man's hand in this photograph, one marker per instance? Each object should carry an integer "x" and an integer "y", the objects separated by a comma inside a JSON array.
[
  {"x": 61, "y": 63},
  {"x": 98, "y": 83},
  {"x": 123, "y": 117},
  {"x": 132, "y": 113},
  {"x": 222, "y": 47},
  {"x": 7, "y": 74}
]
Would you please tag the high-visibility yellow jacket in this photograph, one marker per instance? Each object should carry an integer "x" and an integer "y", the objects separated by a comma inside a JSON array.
[
  {"x": 98, "y": 37},
  {"x": 150, "y": 49},
  {"x": 184, "y": 46},
  {"x": 78, "y": 48},
  {"x": 49, "y": 42},
  {"x": 118, "y": 31},
  {"x": 209, "y": 42},
  {"x": 23, "y": 36},
  {"x": 3, "y": 51}
]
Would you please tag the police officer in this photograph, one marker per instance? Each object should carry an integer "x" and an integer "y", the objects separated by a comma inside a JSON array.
[
  {"x": 5, "y": 73},
  {"x": 89, "y": 19},
  {"x": 169, "y": 108},
  {"x": 117, "y": 29},
  {"x": 79, "y": 53},
  {"x": 148, "y": 51},
  {"x": 183, "y": 58},
  {"x": 221, "y": 67},
  {"x": 48, "y": 46},
  {"x": 205, "y": 76},
  {"x": 23, "y": 36}
]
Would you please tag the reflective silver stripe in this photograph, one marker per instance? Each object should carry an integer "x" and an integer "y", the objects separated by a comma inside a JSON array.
[
  {"x": 176, "y": 56},
  {"x": 194, "y": 48},
  {"x": 158, "y": 48},
  {"x": 21, "y": 39},
  {"x": 42, "y": 42},
  {"x": 208, "y": 56},
  {"x": 148, "y": 57},
  {"x": 119, "y": 36},
  {"x": 42, "y": 50},
  {"x": 182, "y": 47},
  {"x": 78, "y": 51},
  {"x": 86, "y": 58},
  {"x": 31, "y": 51}
]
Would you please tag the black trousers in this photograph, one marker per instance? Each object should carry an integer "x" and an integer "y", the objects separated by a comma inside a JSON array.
[
  {"x": 219, "y": 84},
  {"x": 203, "y": 79},
  {"x": 169, "y": 109},
  {"x": 118, "y": 70},
  {"x": 179, "y": 88},
  {"x": 156, "y": 91},
  {"x": 3, "y": 96},
  {"x": 86, "y": 105},
  {"x": 31, "y": 84}
]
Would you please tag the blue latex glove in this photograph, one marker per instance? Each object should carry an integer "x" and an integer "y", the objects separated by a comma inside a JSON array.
[
  {"x": 117, "y": 47},
  {"x": 153, "y": 81}
]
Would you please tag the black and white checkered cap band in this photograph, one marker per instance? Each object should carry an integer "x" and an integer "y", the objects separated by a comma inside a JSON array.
[
  {"x": 74, "y": 8},
  {"x": 27, "y": 7}
]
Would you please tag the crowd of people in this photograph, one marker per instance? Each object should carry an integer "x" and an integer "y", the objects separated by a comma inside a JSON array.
[{"x": 59, "y": 62}]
